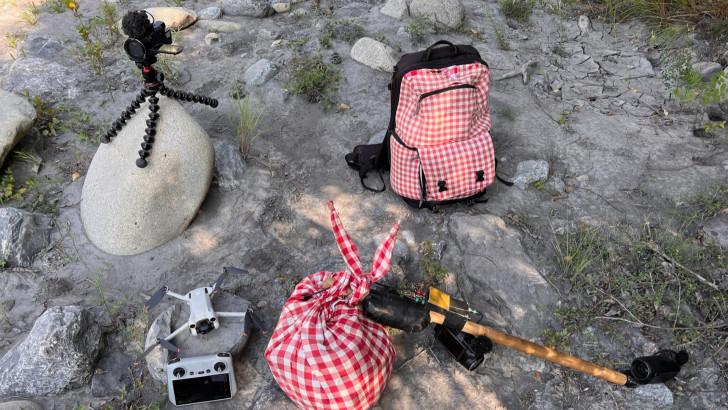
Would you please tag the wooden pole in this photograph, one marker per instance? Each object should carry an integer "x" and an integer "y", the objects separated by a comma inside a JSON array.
[{"x": 533, "y": 349}]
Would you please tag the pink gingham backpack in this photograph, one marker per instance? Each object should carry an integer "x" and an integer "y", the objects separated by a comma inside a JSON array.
[
  {"x": 438, "y": 147},
  {"x": 324, "y": 353}
]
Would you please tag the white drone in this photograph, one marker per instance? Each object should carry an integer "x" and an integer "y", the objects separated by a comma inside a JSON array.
[{"x": 203, "y": 318}]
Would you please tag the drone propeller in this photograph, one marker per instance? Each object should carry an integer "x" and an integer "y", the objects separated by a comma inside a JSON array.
[
  {"x": 155, "y": 298},
  {"x": 218, "y": 282},
  {"x": 160, "y": 342}
]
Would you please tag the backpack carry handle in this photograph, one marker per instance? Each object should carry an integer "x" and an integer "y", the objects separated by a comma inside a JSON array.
[{"x": 428, "y": 51}]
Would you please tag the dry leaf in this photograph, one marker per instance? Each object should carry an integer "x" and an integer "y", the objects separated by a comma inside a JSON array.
[{"x": 75, "y": 176}]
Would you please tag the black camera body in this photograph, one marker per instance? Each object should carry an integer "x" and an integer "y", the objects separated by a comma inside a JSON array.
[{"x": 147, "y": 38}]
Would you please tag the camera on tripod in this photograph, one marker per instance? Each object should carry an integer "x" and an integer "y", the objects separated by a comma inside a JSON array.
[{"x": 147, "y": 37}]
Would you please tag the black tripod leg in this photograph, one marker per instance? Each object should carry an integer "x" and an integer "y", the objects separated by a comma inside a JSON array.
[
  {"x": 151, "y": 129},
  {"x": 189, "y": 97},
  {"x": 124, "y": 117}
]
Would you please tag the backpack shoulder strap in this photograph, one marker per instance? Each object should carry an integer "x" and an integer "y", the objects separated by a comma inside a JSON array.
[{"x": 366, "y": 158}]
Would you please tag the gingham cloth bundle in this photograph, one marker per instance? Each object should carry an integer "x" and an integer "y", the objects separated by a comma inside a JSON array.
[
  {"x": 324, "y": 353},
  {"x": 443, "y": 120}
]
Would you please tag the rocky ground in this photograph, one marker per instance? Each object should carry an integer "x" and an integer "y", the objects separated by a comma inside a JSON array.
[{"x": 584, "y": 123}]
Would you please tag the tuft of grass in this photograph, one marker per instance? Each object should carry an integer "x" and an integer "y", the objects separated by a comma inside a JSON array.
[
  {"x": 518, "y": 10},
  {"x": 247, "y": 124},
  {"x": 56, "y": 6},
  {"x": 577, "y": 250},
  {"x": 432, "y": 270},
  {"x": 86, "y": 129},
  {"x": 48, "y": 121},
  {"x": 418, "y": 28},
  {"x": 13, "y": 190},
  {"x": 708, "y": 16},
  {"x": 30, "y": 15},
  {"x": 500, "y": 37},
  {"x": 314, "y": 79},
  {"x": 29, "y": 157},
  {"x": 347, "y": 30},
  {"x": 706, "y": 205}
]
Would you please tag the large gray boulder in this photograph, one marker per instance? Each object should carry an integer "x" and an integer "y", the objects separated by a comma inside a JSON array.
[
  {"x": 51, "y": 81},
  {"x": 251, "y": 8},
  {"x": 374, "y": 54},
  {"x": 128, "y": 210},
  {"x": 57, "y": 355},
  {"x": 22, "y": 235},
  {"x": 447, "y": 13},
  {"x": 16, "y": 119},
  {"x": 499, "y": 270}
]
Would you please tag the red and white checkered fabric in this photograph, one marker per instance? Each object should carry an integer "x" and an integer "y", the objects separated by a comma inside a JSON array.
[
  {"x": 443, "y": 119},
  {"x": 324, "y": 353}
]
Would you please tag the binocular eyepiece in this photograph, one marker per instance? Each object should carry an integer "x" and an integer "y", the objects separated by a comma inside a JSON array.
[{"x": 658, "y": 368}]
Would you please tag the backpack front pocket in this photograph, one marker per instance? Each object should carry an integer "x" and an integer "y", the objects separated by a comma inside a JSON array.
[
  {"x": 443, "y": 115},
  {"x": 458, "y": 169}
]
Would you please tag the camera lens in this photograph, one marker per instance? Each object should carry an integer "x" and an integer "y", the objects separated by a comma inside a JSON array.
[{"x": 135, "y": 49}]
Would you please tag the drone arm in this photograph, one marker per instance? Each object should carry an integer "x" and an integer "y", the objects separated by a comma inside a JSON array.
[
  {"x": 176, "y": 295},
  {"x": 176, "y": 333},
  {"x": 231, "y": 314}
]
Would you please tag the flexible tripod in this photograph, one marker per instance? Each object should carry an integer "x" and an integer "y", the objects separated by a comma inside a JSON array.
[{"x": 153, "y": 84}]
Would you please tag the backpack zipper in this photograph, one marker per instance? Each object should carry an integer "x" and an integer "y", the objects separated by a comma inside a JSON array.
[{"x": 442, "y": 90}]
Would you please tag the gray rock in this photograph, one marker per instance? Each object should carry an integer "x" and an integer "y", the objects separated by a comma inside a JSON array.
[
  {"x": 259, "y": 73},
  {"x": 20, "y": 405},
  {"x": 22, "y": 236},
  {"x": 528, "y": 172},
  {"x": 16, "y": 119},
  {"x": 716, "y": 229},
  {"x": 281, "y": 7},
  {"x": 497, "y": 268},
  {"x": 251, "y": 8},
  {"x": 707, "y": 69},
  {"x": 395, "y": 8},
  {"x": 175, "y": 18},
  {"x": 401, "y": 252},
  {"x": 112, "y": 375},
  {"x": 57, "y": 355},
  {"x": 50, "y": 81},
  {"x": 229, "y": 166},
  {"x": 653, "y": 395},
  {"x": 627, "y": 66},
  {"x": 210, "y": 13},
  {"x": 219, "y": 26},
  {"x": 378, "y": 138},
  {"x": 716, "y": 113},
  {"x": 231, "y": 336},
  {"x": 43, "y": 47},
  {"x": 374, "y": 54},
  {"x": 448, "y": 13},
  {"x": 584, "y": 24},
  {"x": 211, "y": 38},
  {"x": 156, "y": 360},
  {"x": 148, "y": 206}
]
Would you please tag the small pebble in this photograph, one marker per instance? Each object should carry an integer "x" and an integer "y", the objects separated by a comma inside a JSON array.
[{"x": 212, "y": 38}]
